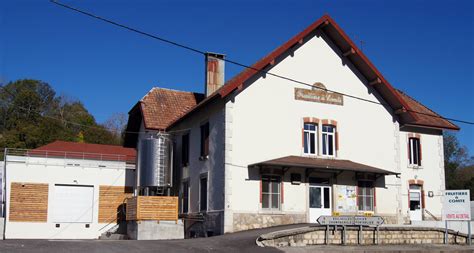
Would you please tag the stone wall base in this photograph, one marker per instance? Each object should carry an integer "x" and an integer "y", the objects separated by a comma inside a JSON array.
[
  {"x": 204, "y": 225},
  {"x": 245, "y": 221},
  {"x": 386, "y": 235}
]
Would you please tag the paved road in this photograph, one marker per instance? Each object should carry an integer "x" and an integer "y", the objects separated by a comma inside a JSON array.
[
  {"x": 236, "y": 242},
  {"x": 241, "y": 242}
]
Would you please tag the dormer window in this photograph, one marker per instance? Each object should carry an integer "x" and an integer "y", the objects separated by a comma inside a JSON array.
[
  {"x": 310, "y": 138},
  {"x": 328, "y": 140}
]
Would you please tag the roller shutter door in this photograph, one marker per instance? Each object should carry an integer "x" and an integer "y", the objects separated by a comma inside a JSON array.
[{"x": 73, "y": 204}]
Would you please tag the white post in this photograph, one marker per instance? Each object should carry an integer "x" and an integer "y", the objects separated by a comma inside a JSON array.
[
  {"x": 469, "y": 232},
  {"x": 446, "y": 232}
]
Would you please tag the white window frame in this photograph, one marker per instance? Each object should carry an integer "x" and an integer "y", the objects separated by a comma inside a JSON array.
[
  {"x": 328, "y": 135},
  {"x": 270, "y": 193},
  {"x": 307, "y": 140},
  {"x": 363, "y": 196},
  {"x": 411, "y": 150}
]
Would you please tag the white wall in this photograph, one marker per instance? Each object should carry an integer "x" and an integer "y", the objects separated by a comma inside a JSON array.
[
  {"x": 267, "y": 121},
  {"x": 431, "y": 170},
  {"x": 56, "y": 171}
]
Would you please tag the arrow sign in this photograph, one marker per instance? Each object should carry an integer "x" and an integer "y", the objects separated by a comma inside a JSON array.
[{"x": 350, "y": 220}]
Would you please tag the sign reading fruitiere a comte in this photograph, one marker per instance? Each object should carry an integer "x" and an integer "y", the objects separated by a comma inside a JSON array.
[
  {"x": 319, "y": 94},
  {"x": 456, "y": 205}
]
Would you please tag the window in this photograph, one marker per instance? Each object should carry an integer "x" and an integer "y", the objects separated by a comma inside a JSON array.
[
  {"x": 205, "y": 140},
  {"x": 271, "y": 192},
  {"x": 309, "y": 138},
  {"x": 414, "y": 151},
  {"x": 185, "y": 198},
  {"x": 365, "y": 195},
  {"x": 328, "y": 140},
  {"x": 203, "y": 194},
  {"x": 185, "y": 149}
]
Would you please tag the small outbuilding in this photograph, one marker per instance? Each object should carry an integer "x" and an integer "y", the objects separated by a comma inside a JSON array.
[{"x": 66, "y": 190}]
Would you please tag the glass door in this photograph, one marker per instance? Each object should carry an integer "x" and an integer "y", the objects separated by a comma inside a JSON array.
[{"x": 320, "y": 199}]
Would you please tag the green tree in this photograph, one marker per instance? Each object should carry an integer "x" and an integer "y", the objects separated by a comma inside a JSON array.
[
  {"x": 32, "y": 115},
  {"x": 458, "y": 164}
]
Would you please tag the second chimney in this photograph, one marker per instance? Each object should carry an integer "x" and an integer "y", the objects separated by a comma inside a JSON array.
[{"x": 214, "y": 72}]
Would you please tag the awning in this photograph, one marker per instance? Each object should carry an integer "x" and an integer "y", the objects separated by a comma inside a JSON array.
[{"x": 327, "y": 164}]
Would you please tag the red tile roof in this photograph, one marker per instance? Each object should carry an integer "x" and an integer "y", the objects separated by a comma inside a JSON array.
[
  {"x": 160, "y": 106},
  {"x": 358, "y": 59},
  {"x": 426, "y": 117},
  {"x": 76, "y": 150}
]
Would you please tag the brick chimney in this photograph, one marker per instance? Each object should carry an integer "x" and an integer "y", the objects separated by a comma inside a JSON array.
[{"x": 214, "y": 72}]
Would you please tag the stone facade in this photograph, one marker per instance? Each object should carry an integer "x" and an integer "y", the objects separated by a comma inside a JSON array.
[
  {"x": 244, "y": 221},
  {"x": 386, "y": 235}
]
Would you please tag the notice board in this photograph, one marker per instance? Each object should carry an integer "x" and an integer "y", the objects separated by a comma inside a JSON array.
[{"x": 346, "y": 198}]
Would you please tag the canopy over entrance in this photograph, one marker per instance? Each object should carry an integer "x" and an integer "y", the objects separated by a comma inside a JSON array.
[{"x": 323, "y": 164}]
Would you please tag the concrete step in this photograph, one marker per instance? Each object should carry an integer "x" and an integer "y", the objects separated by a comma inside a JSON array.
[{"x": 107, "y": 236}]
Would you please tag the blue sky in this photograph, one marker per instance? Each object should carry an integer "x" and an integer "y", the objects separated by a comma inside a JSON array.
[{"x": 425, "y": 48}]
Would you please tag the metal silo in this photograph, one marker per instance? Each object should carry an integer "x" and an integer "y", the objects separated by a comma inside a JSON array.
[{"x": 155, "y": 161}]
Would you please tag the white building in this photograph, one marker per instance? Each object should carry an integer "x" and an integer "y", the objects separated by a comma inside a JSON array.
[
  {"x": 262, "y": 151},
  {"x": 66, "y": 190}
]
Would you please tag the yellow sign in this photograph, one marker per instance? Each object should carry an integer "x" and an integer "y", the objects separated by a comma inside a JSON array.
[
  {"x": 335, "y": 214},
  {"x": 368, "y": 214}
]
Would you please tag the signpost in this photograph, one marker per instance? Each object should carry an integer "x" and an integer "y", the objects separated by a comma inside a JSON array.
[
  {"x": 457, "y": 207},
  {"x": 351, "y": 221}
]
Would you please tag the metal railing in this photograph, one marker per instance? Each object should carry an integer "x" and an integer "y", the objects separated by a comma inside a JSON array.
[
  {"x": 430, "y": 214},
  {"x": 70, "y": 155}
]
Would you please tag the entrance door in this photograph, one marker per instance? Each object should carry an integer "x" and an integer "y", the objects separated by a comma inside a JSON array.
[
  {"x": 415, "y": 203},
  {"x": 319, "y": 201}
]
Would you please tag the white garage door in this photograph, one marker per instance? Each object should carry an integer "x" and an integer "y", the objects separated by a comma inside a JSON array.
[{"x": 73, "y": 203}]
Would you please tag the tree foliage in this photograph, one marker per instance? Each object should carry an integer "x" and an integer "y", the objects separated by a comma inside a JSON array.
[
  {"x": 32, "y": 115},
  {"x": 458, "y": 165}
]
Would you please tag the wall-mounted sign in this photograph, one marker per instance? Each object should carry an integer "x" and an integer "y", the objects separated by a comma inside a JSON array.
[
  {"x": 457, "y": 205},
  {"x": 319, "y": 94}
]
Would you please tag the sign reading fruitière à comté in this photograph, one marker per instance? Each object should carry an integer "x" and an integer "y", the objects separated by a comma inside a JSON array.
[{"x": 457, "y": 205}]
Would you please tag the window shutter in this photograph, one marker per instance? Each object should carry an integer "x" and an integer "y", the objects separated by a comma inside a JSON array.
[
  {"x": 375, "y": 197},
  {"x": 337, "y": 139},
  {"x": 302, "y": 137},
  {"x": 408, "y": 150},
  {"x": 408, "y": 197},
  {"x": 419, "y": 143},
  {"x": 281, "y": 191},
  {"x": 357, "y": 197},
  {"x": 422, "y": 198}
]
